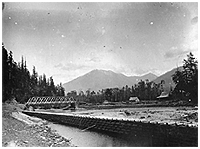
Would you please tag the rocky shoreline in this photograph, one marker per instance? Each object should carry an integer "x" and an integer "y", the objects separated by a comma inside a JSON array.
[{"x": 20, "y": 130}]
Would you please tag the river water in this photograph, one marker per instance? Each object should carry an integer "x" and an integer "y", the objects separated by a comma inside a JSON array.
[{"x": 88, "y": 138}]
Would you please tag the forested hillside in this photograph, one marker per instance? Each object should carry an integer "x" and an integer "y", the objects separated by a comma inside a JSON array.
[{"x": 19, "y": 83}]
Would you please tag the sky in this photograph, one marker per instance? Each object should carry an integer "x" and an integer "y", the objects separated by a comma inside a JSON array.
[{"x": 67, "y": 40}]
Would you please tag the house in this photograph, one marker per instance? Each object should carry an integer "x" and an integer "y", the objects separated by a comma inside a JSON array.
[
  {"x": 163, "y": 95},
  {"x": 134, "y": 99},
  {"x": 105, "y": 102}
]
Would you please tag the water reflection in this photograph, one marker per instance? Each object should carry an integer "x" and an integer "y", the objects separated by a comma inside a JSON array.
[{"x": 92, "y": 139}]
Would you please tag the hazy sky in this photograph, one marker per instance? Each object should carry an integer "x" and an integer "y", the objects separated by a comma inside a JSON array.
[{"x": 67, "y": 40}]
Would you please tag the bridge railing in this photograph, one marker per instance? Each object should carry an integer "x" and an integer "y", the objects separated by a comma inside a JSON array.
[{"x": 48, "y": 102}]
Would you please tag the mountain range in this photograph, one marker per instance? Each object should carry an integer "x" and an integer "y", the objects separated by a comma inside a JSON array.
[
  {"x": 100, "y": 79},
  {"x": 167, "y": 77},
  {"x": 96, "y": 80}
]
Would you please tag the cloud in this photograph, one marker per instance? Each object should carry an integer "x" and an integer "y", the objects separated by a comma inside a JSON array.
[
  {"x": 58, "y": 65},
  {"x": 174, "y": 52},
  {"x": 94, "y": 59},
  {"x": 191, "y": 40},
  {"x": 67, "y": 76},
  {"x": 194, "y": 20},
  {"x": 70, "y": 66},
  {"x": 169, "y": 54},
  {"x": 140, "y": 71}
]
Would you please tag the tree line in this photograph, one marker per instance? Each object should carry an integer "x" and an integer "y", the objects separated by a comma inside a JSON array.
[
  {"x": 19, "y": 83},
  {"x": 186, "y": 87},
  {"x": 144, "y": 90}
]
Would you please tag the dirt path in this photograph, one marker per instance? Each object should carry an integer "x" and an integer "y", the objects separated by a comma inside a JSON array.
[{"x": 20, "y": 130}]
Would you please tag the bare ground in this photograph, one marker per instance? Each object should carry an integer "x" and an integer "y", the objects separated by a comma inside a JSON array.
[
  {"x": 20, "y": 130},
  {"x": 184, "y": 115},
  {"x": 179, "y": 115}
]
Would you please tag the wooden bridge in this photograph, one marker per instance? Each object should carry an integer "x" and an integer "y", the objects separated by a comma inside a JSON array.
[{"x": 50, "y": 102}]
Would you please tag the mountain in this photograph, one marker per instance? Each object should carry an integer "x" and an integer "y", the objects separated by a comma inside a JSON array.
[
  {"x": 149, "y": 76},
  {"x": 102, "y": 79},
  {"x": 167, "y": 77}
]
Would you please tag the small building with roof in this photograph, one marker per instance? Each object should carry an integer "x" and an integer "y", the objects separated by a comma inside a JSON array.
[
  {"x": 134, "y": 99},
  {"x": 163, "y": 96}
]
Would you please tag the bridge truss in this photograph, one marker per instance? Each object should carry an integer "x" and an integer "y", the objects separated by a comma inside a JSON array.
[{"x": 50, "y": 102}]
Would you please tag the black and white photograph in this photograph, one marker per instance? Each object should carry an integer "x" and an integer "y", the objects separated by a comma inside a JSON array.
[{"x": 99, "y": 74}]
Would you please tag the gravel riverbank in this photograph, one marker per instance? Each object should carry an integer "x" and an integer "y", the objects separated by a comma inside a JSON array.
[
  {"x": 179, "y": 115},
  {"x": 20, "y": 130},
  {"x": 170, "y": 115}
]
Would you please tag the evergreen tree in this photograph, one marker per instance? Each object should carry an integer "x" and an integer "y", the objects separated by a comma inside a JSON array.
[
  {"x": 141, "y": 89},
  {"x": 52, "y": 87},
  {"x": 62, "y": 90},
  {"x": 108, "y": 94},
  {"x": 18, "y": 83},
  {"x": 187, "y": 80},
  {"x": 5, "y": 74},
  {"x": 34, "y": 83}
]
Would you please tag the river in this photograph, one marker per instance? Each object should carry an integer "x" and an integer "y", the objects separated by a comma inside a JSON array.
[{"x": 88, "y": 138}]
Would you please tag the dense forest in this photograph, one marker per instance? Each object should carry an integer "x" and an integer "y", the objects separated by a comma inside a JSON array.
[
  {"x": 145, "y": 90},
  {"x": 186, "y": 80},
  {"x": 19, "y": 83}
]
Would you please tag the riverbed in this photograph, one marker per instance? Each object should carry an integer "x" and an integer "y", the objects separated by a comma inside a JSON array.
[
  {"x": 179, "y": 115},
  {"x": 87, "y": 138}
]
